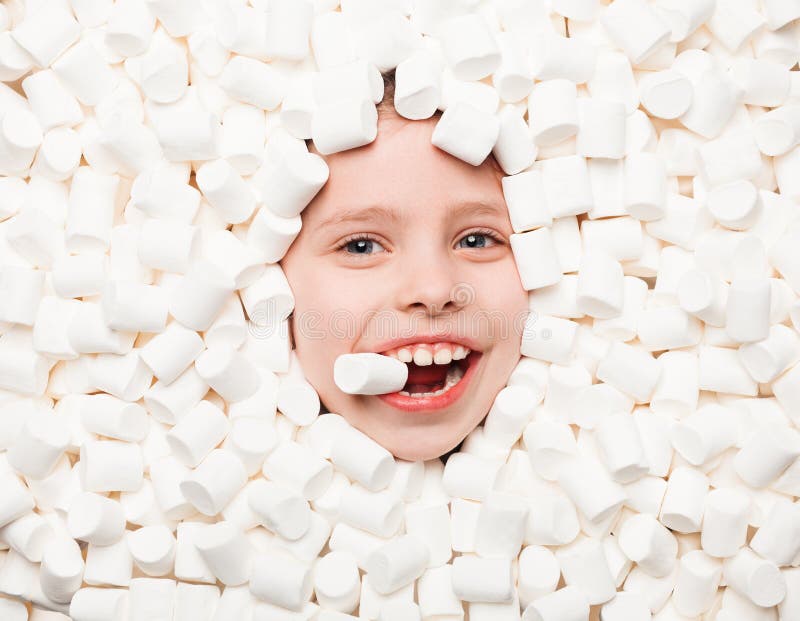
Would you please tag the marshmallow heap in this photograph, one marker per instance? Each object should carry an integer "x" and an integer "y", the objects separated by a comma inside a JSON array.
[{"x": 163, "y": 456}]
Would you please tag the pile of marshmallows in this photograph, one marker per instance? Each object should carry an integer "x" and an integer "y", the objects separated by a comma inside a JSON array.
[{"x": 162, "y": 455}]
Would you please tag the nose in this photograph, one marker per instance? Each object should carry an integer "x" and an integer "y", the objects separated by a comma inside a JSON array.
[{"x": 429, "y": 284}]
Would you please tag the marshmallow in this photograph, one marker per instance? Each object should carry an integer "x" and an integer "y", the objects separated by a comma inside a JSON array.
[
  {"x": 200, "y": 295},
  {"x": 477, "y": 579},
  {"x": 469, "y": 476},
  {"x": 665, "y": 94},
  {"x": 725, "y": 522},
  {"x": 298, "y": 468},
  {"x": 566, "y": 604},
  {"x": 345, "y": 124},
  {"x": 776, "y": 132},
  {"x": 243, "y": 136},
  {"x": 636, "y": 28},
  {"x": 765, "y": 454},
  {"x": 684, "y": 501},
  {"x": 765, "y": 360},
  {"x": 77, "y": 275},
  {"x": 151, "y": 597},
  {"x": 649, "y": 544},
  {"x": 152, "y": 549},
  {"x": 549, "y": 338},
  {"x": 114, "y": 418},
  {"x": 58, "y": 158},
  {"x": 379, "y": 513},
  {"x": 271, "y": 235},
  {"x": 168, "y": 403},
  {"x": 226, "y": 191},
  {"x": 225, "y": 551},
  {"x": 501, "y": 525},
  {"x": 722, "y": 371},
  {"x": 369, "y": 373},
  {"x": 698, "y": 580},
  {"x": 337, "y": 584},
  {"x": 96, "y": 519},
  {"x": 61, "y": 572},
  {"x": 430, "y": 523},
  {"x": 466, "y": 132},
  {"x": 600, "y": 285},
  {"x": 168, "y": 245},
  {"x": 621, "y": 448},
  {"x": 553, "y": 111},
  {"x": 267, "y": 301},
  {"x": 291, "y": 184},
  {"x": 777, "y": 538},
  {"x": 511, "y": 411},
  {"x": 39, "y": 445},
  {"x": 20, "y": 138},
  {"x": 109, "y": 565},
  {"x": 129, "y": 28},
  {"x": 555, "y": 57},
  {"x": 470, "y": 48},
  {"x": 549, "y": 445},
  {"x": 170, "y": 353},
  {"x": 588, "y": 485},
  {"x": 536, "y": 258},
  {"x": 734, "y": 205},
  {"x": 253, "y": 82},
  {"x": 757, "y": 579},
  {"x": 197, "y": 433},
  {"x": 397, "y": 563},
  {"x": 279, "y": 509},
  {"x": 279, "y": 579},
  {"x": 631, "y": 370},
  {"x": 704, "y": 296},
  {"x": 539, "y": 574},
  {"x": 583, "y": 565},
  {"x": 189, "y": 562},
  {"x": 50, "y": 101},
  {"x": 134, "y": 307},
  {"x": 229, "y": 372},
  {"x": 93, "y": 604},
  {"x": 27, "y": 536},
  {"x": 195, "y": 601},
  {"x": 704, "y": 434},
  {"x": 251, "y": 439},
  {"x": 601, "y": 130},
  {"x": 362, "y": 459},
  {"x": 214, "y": 483},
  {"x": 525, "y": 197}
]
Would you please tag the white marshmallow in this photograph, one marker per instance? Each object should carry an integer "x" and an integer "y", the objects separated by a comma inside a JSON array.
[
  {"x": 430, "y": 523},
  {"x": 397, "y": 563},
  {"x": 152, "y": 549},
  {"x": 584, "y": 565},
  {"x": 229, "y": 372},
  {"x": 536, "y": 258},
  {"x": 369, "y": 373},
  {"x": 75, "y": 275},
  {"x": 725, "y": 522},
  {"x": 167, "y": 403},
  {"x": 511, "y": 411},
  {"x": 549, "y": 445},
  {"x": 298, "y": 468},
  {"x": 549, "y": 338},
  {"x": 765, "y": 454},
  {"x": 20, "y": 138},
  {"x": 214, "y": 483},
  {"x": 553, "y": 111},
  {"x": 195, "y": 602},
  {"x": 197, "y": 433},
  {"x": 631, "y": 370},
  {"x": 225, "y": 551},
  {"x": 635, "y": 27},
  {"x": 59, "y": 156},
  {"x": 362, "y": 459},
  {"x": 39, "y": 445},
  {"x": 704, "y": 296},
  {"x": 525, "y": 197},
  {"x": 251, "y": 439},
  {"x": 601, "y": 129},
  {"x": 111, "y": 417},
  {"x": 600, "y": 285},
  {"x": 167, "y": 245},
  {"x": 514, "y": 149},
  {"x": 243, "y": 136},
  {"x": 649, "y": 544},
  {"x": 279, "y": 509},
  {"x": 51, "y": 103},
  {"x": 170, "y": 353},
  {"x": 93, "y": 604},
  {"x": 134, "y": 307},
  {"x": 765, "y": 360},
  {"x": 466, "y": 132},
  {"x": 553, "y": 56},
  {"x": 776, "y": 132},
  {"x": 567, "y": 187},
  {"x": 337, "y": 584},
  {"x": 344, "y": 124},
  {"x": 621, "y": 448},
  {"x": 253, "y": 82},
  {"x": 200, "y": 295},
  {"x": 665, "y": 94},
  {"x": 698, "y": 580},
  {"x": 777, "y": 538},
  {"x": 293, "y": 182},
  {"x": 704, "y": 434},
  {"x": 110, "y": 565},
  {"x": 747, "y": 309},
  {"x": 590, "y": 488},
  {"x": 470, "y": 47},
  {"x": 539, "y": 574},
  {"x": 279, "y": 579},
  {"x": 226, "y": 191},
  {"x": 477, "y": 579},
  {"x": 469, "y": 476},
  {"x": 27, "y": 536},
  {"x": 734, "y": 205},
  {"x": 271, "y": 235},
  {"x": 61, "y": 572},
  {"x": 501, "y": 525},
  {"x": 379, "y": 513},
  {"x": 566, "y": 604},
  {"x": 684, "y": 501},
  {"x": 189, "y": 563},
  {"x": 150, "y": 596},
  {"x": 759, "y": 580}
]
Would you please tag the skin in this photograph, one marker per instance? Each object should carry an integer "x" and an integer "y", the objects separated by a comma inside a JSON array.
[{"x": 421, "y": 273}]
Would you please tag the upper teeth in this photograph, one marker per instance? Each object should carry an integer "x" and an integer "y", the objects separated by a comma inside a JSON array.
[{"x": 424, "y": 354}]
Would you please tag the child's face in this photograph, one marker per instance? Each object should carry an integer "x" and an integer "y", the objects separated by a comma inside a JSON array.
[{"x": 421, "y": 273}]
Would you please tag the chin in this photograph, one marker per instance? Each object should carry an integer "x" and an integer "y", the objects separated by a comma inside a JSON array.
[{"x": 421, "y": 450}]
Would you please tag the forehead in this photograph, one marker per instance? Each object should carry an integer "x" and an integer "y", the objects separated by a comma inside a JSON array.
[{"x": 401, "y": 168}]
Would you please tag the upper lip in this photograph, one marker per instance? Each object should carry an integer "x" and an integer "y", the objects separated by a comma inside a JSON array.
[{"x": 428, "y": 338}]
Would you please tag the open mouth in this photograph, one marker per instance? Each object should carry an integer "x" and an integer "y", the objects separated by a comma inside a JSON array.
[{"x": 434, "y": 379}]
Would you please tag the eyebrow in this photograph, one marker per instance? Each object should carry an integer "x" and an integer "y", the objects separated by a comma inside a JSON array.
[{"x": 375, "y": 212}]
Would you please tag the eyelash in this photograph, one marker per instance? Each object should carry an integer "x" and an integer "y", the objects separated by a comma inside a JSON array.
[{"x": 367, "y": 237}]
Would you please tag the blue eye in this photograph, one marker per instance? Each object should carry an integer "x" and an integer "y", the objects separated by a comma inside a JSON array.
[
  {"x": 360, "y": 245},
  {"x": 364, "y": 245},
  {"x": 477, "y": 239}
]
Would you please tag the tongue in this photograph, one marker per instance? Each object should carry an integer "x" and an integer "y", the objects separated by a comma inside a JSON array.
[{"x": 426, "y": 379}]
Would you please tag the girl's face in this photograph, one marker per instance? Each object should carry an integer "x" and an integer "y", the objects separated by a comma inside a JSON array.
[{"x": 406, "y": 240}]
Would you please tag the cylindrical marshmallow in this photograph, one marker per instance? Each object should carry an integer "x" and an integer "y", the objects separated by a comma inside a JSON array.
[
  {"x": 97, "y": 604},
  {"x": 466, "y": 132},
  {"x": 291, "y": 184},
  {"x": 152, "y": 549},
  {"x": 226, "y": 551},
  {"x": 645, "y": 186},
  {"x": 589, "y": 486},
  {"x": 757, "y": 579},
  {"x": 477, "y": 579},
  {"x": 601, "y": 129},
  {"x": 298, "y": 468},
  {"x": 253, "y": 82},
  {"x": 345, "y": 124},
  {"x": 197, "y": 433},
  {"x": 501, "y": 525},
  {"x": 379, "y": 513},
  {"x": 649, "y": 544},
  {"x": 280, "y": 579},
  {"x": 214, "y": 483},
  {"x": 337, "y": 584},
  {"x": 705, "y": 434},
  {"x": 95, "y": 519},
  {"x": 279, "y": 509},
  {"x": 469, "y": 476},
  {"x": 684, "y": 501},
  {"x": 553, "y": 111},
  {"x": 369, "y": 373},
  {"x": 229, "y": 372},
  {"x": 778, "y": 538},
  {"x": 765, "y": 360},
  {"x": 778, "y": 131},
  {"x": 39, "y": 445},
  {"x": 225, "y": 190},
  {"x": 397, "y": 563},
  {"x": 61, "y": 572},
  {"x": 536, "y": 258},
  {"x": 725, "y": 521},
  {"x": 200, "y": 295},
  {"x": 697, "y": 583},
  {"x": 765, "y": 454}
]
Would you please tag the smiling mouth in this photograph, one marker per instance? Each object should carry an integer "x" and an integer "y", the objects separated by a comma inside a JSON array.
[{"x": 433, "y": 380}]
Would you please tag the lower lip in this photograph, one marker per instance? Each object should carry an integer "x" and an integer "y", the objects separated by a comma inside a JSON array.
[{"x": 422, "y": 404}]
